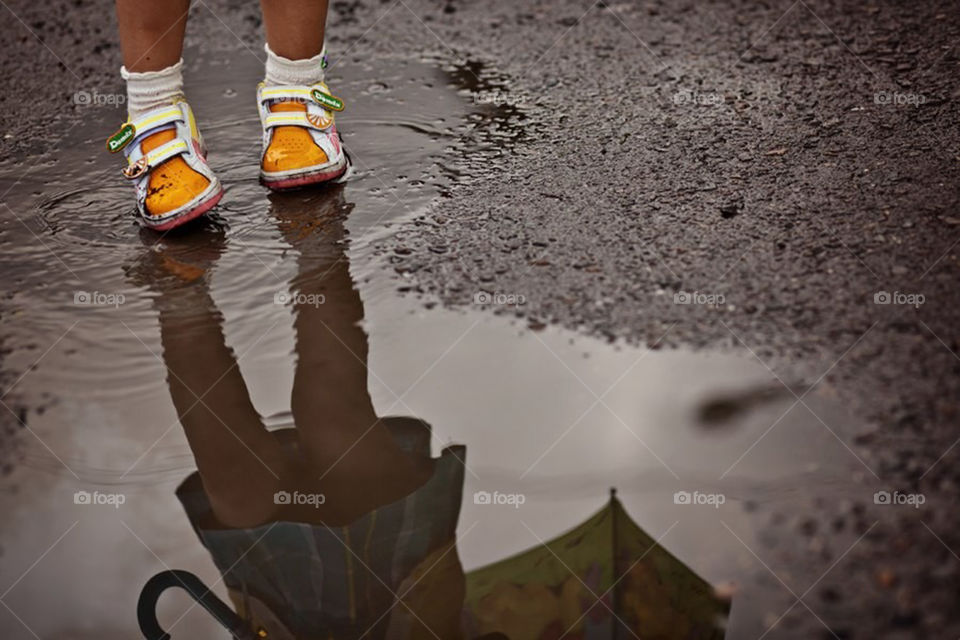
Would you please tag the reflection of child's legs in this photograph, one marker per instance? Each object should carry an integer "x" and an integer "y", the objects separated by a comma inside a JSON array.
[
  {"x": 350, "y": 456},
  {"x": 240, "y": 463},
  {"x": 330, "y": 401}
]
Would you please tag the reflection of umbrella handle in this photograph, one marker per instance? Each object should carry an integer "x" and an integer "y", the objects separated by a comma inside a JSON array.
[{"x": 147, "y": 605}]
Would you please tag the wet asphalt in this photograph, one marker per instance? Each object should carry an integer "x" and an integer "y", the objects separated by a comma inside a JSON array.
[{"x": 786, "y": 167}]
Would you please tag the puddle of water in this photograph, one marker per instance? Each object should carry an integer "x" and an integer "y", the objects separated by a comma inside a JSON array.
[{"x": 551, "y": 418}]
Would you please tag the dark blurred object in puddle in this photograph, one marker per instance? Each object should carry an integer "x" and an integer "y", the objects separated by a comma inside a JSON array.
[{"x": 722, "y": 410}]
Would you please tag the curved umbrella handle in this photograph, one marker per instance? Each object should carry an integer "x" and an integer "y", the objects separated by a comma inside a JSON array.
[{"x": 147, "y": 605}]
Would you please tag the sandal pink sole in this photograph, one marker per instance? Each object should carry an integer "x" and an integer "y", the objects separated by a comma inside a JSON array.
[
  {"x": 303, "y": 181},
  {"x": 192, "y": 214}
]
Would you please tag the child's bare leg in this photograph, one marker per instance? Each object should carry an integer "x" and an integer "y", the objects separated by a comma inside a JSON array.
[
  {"x": 175, "y": 190},
  {"x": 295, "y": 28},
  {"x": 151, "y": 32},
  {"x": 296, "y": 155}
]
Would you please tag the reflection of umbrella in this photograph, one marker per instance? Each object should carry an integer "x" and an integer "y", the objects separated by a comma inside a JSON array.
[
  {"x": 604, "y": 579},
  {"x": 146, "y": 606}
]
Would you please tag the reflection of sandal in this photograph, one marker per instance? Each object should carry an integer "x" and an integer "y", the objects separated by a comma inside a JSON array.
[
  {"x": 301, "y": 145},
  {"x": 177, "y": 261},
  {"x": 166, "y": 162}
]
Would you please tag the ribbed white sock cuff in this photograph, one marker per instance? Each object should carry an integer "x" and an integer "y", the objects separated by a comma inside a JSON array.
[
  {"x": 284, "y": 71},
  {"x": 152, "y": 89}
]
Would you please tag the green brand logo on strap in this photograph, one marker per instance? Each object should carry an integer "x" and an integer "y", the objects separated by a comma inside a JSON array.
[
  {"x": 119, "y": 140},
  {"x": 330, "y": 102}
]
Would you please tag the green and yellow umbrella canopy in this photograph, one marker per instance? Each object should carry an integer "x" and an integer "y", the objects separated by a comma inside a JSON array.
[{"x": 604, "y": 579}]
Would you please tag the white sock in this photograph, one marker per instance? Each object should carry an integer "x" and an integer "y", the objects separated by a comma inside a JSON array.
[
  {"x": 284, "y": 71},
  {"x": 152, "y": 89}
]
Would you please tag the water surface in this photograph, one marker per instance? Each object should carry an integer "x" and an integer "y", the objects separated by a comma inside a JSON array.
[{"x": 555, "y": 417}]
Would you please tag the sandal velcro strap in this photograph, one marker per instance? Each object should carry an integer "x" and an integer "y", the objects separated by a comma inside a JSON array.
[
  {"x": 133, "y": 130},
  {"x": 157, "y": 118},
  {"x": 166, "y": 151},
  {"x": 297, "y": 119},
  {"x": 155, "y": 158},
  {"x": 318, "y": 94},
  {"x": 301, "y": 93}
]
